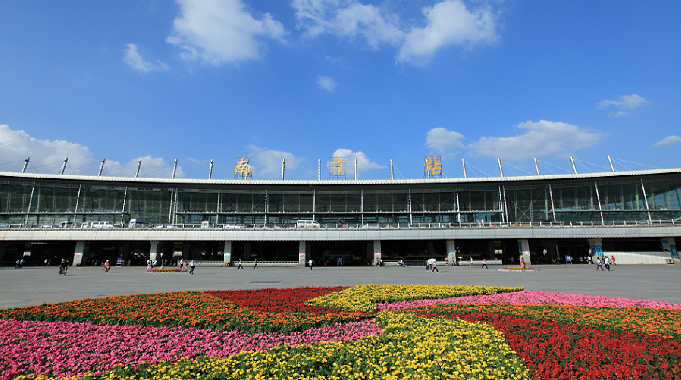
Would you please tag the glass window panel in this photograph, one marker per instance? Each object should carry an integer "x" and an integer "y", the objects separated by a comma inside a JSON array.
[
  {"x": 275, "y": 202},
  {"x": 99, "y": 199},
  {"x": 152, "y": 205},
  {"x": 54, "y": 199},
  {"x": 14, "y": 197}
]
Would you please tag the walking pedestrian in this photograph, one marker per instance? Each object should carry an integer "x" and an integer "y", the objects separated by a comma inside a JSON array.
[
  {"x": 522, "y": 263},
  {"x": 192, "y": 265},
  {"x": 484, "y": 264},
  {"x": 255, "y": 263},
  {"x": 434, "y": 266},
  {"x": 599, "y": 264},
  {"x": 107, "y": 266},
  {"x": 606, "y": 262},
  {"x": 612, "y": 260},
  {"x": 310, "y": 263},
  {"x": 470, "y": 260},
  {"x": 239, "y": 266}
]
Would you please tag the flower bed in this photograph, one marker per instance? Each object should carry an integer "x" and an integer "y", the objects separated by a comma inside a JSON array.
[
  {"x": 517, "y": 269},
  {"x": 365, "y": 297},
  {"x": 77, "y": 348},
  {"x": 166, "y": 270},
  {"x": 533, "y": 298},
  {"x": 414, "y": 332}
]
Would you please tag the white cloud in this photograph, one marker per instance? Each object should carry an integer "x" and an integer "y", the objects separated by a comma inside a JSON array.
[
  {"x": 326, "y": 83},
  {"x": 348, "y": 18},
  {"x": 363, "y": 162},
  {"x": 266, "y": 163},
  {"x": 669, "y": 140},
  {"x": 442, "y": 140},
  {"x": 448, "y": 23},
  {"x": 47, "y": 157},
  {"x": 625, "y": 104},
  {"x": 221, "y": 31},
  {"x": 543, "y": 138},
  {"x": 134, "y": 59}
]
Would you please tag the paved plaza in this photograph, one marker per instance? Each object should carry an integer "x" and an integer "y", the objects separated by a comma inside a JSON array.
[{"x": 37, "y": 285}]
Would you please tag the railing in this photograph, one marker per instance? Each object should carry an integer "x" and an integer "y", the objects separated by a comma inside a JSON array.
[{"x": 365, "y": 226}]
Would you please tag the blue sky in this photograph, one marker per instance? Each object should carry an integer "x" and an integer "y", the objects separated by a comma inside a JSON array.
[{"x": 304, "y": 80}]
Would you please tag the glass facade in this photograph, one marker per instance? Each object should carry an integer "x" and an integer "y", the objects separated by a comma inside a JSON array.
[{"x": 625, "y": 198}]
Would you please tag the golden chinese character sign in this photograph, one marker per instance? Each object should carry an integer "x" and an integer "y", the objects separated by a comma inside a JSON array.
[
  {"x": 337, "y": 168},
  {"x": 242, "y": 168},
  {"x": 432, "y": 167}
]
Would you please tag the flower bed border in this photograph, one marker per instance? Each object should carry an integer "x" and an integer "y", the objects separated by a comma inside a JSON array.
[
  {"x": 518, "y": 270},
  {"x": 166, "y": 271}
]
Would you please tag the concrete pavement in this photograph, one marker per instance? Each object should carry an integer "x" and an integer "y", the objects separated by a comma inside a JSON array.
[{"x": 37, "y": 285}]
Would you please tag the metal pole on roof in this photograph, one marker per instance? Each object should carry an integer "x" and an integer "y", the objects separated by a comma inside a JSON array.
[
  {"x": 283, "y": 168},
  {"x": 210, "y": 171},
  {"x": 465, "y": 174},
  {"x": 536, "y": 165},
  {"x": 174, "y": 168},
  {"x": 574, "y": 168},
  {"x": 611, "y": 166},
  {"x": 101, "y": 167},
  {"x": 139, "y": 164},
  {"x": 63, "y": 167},
  {"x": 392, "y": 170},
  {"x": 26, "y": 161},
  {"x": 319, "y": 170},
  {"x": 500, "y": 169},
  {"x": 355, "y": 169}
]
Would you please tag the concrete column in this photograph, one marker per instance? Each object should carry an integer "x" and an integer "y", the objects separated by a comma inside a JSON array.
[
  {"x": 596, "y": 247},
  {"x": 302, "y": 253},
  {"x": 490, "y": 250},
  {"x": 153, "y": 251},
  {"x": 80, "y": 252},
  {"x": 124, "y": 251},
  {"x": 451, "y": 252},
  {"x": 551, "y": 253},
  {"x": 377, "y": 251},
  {"x": 2, "y": 251},
  {"x": 247, "y": 250},
  {"x": 669, "y": 244},
  {"x": 431, "y": 248},
  {"x": 187, "y": 251},
  {"x": 524, "y": 250},
  {"x": 228, "y": 253}
]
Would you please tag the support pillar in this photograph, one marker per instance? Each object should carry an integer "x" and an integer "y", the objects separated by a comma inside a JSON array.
[
  {"x": 153, "y": 251},
  {"x": 227, "y": 252},
  {"x": 80, "y": 251},
  {"x": 247, "y": 250},
  {"x": 124, "y": 251},
  {"x": 490, "y": 250},
  {"x": 2, "y": 251},
  {"x": 377, "y": 251},
  {"x": 669, "y": 244},
  {"x": 524, "y": 250},
  {"x": 302, "y": 253},
  {"x": 551, "y": 253},
  {"x": 451, "y": 252},
  {"x": 595, "y": 247},
  {"x": 431, "y": 248},
  {"x": 187, "y": 251}
]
